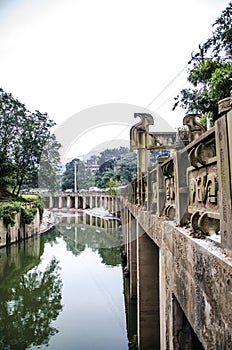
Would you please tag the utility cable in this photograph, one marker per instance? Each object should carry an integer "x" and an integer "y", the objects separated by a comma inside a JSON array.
[
  {"x": 160, "y": 93},
  {"x": 163, "y": 103}
]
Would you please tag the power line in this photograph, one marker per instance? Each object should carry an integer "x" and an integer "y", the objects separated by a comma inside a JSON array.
[
  {"x": 160, "y": 93},
  {"x": 155, "y": 98},
  {"x": 163, "y": 103}
]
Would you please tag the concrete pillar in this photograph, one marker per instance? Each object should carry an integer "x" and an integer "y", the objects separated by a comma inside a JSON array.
[
  {"x": 101, "y": 202},
  {"x": 132, "y": 256},
  {"x": 50, "y": 202},
  {"x": 68, "y": 202},
  {"x": 76, "y": 202},
  {"x": 124, "y": 225},
  {"x": 84, "y": 202},
  {"x": 106, "y": 225},
  {"x": 102, "y": 223},
  {"x": 115, "y": 205},
  {"x": 127, "y": 249},
  {"x": 105, "y": 202},
  {"x": 148, "y": 292},
  {"x": 91, "y": 201},
  {"x": 60, "y": 202}
]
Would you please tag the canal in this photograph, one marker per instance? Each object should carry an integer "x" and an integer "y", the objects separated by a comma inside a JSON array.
[{"x": 64, "y": 289}]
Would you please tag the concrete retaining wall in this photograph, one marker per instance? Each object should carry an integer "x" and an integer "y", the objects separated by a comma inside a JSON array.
[{"x": 11, "y": 234}]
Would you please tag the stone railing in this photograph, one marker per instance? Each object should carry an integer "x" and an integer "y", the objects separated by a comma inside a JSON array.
[{"x": 193, "y": 187}]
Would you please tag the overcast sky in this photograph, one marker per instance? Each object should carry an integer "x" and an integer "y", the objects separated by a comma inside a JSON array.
[{"x": 63, "y": 56}]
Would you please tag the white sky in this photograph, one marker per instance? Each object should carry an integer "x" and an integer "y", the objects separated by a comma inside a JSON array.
[{"x": 63, "y": 56}]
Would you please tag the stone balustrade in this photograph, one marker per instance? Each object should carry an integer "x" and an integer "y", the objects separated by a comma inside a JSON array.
[{"x": 194, "y": 186}]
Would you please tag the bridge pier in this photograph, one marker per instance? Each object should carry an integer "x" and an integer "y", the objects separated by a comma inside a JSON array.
[
  {"x": 84, "y": 202},
  {"x": 132, "y": 258},
  {"x": 60, "y": 202},
  {"x": 50, "y": 202},
  {"x": 91, "y": 202},
  {"x": 68, "y": 202},
  {"x": 76, "y": 203},
  {"x": 148, "y": 292}
]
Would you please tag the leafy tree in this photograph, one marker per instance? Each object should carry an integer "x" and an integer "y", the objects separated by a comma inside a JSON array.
[
  {"x": 84, "y": 173},
  {"x": 121, "y": 166},
  {"x": 111, "y": 186},
  {"x": 6, "y": 170},
  {"x": 211, "y": 71},
  {"x": 23, "y": 139},
  {"x": 117, "y": 164},
  {"x": 221, "y": 41},
  {"x": 12, "y": 113},
  {"x": 126, "y": 168},
  {"x": 68, "y": 175},
  {"x": 49, "y": 166},
  {"x": 111, "y": 155},
  {"x": 28, "y": 151},
  {"x": 107, "y": 176}
]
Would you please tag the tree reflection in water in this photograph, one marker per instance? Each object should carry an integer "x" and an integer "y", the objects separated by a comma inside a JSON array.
[
  {"x": 107, "y": 244},
  {"x": 27, "y": 310},
  {"x": 111, "y": 256}
]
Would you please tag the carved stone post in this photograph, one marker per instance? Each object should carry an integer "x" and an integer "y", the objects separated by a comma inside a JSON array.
[
  {"x": 182, "y": 191},
  {"x": 140, "y": 141},
  {"x": 224, "y": 157}
]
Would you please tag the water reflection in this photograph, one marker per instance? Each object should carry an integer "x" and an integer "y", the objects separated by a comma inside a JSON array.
[
  {"x": 28, "y": 305},
  {"x": 44, "y": 289},
  {"x": 88, "y": 231},
  {"x": 103, "y": 237}
]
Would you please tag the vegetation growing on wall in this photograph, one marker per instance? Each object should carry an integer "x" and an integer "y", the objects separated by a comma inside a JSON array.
[
  {"x": 9, "y": 210},
  {"x": 28, "y": 215}
]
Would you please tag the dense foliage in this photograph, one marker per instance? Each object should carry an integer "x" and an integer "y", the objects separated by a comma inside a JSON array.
[
  {"x": 116, "y": 166},
  {"x": 25, "y": 140},
  {"x": 211, "y": 70}
]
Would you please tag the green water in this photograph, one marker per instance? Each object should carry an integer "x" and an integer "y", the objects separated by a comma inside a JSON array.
[{"x": 63, "y": 290}]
